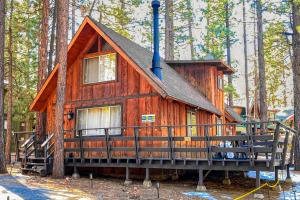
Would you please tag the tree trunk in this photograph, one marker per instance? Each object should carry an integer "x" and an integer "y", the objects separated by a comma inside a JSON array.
[
  {"x": 61, "y": 54},
  {"x": 256, "y": 84},
  {"x": 190, "y": 24},
  {"x": 228, "y": 50},
  {"x": 246, "y": 60},
  {"x": 42, "y": 70},
  {"x": 10, "y": 87},
  {"x": 169, "y": 30},
  {"x": 73, "y": 17},
  {"x": 261, "y": 63},
  {"x": 2, "y": 42},
  {"x": 296, "y": 77},
  {"x": 52, "y": 39},
  {"x": 92, "y": 8}
]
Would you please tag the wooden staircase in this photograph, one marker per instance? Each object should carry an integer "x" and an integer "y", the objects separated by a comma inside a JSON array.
[{"x": 36, "y": 157}]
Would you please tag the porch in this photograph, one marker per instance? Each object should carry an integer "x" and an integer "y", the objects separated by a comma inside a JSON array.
[{"x": 168, "y": 147}]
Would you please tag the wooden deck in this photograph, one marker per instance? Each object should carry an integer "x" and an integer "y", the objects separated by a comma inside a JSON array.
[{"x": 256, "y": 150}]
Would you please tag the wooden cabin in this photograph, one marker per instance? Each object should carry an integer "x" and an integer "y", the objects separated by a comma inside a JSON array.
[{"x": 109, "y": 83}]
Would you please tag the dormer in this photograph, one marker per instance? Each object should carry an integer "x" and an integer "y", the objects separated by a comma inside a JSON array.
[{"x": 207, "y": 76}]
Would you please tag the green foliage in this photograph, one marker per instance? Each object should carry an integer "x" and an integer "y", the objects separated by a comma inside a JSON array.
[
  {"x": 278, "y": 66},
  {"x": 25, "y": 31}
]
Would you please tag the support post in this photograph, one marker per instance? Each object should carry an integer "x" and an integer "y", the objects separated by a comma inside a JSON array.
[
  {"x": 127, "y": 180},
  {"x": 288, "y": 174},
  {"x": 75, "y": 174},
  {"x": 147, "y": 182},
  {"x": 201, "y": 187},
  {"x": 257, "y": 183},
  {"x": 278, "y": 187},
  {"x": 276, "y": 173},
  {"x": 226, "y": 180}
]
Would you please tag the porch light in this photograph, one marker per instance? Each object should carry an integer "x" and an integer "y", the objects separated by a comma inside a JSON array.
[{"x": 70, "y": 115}]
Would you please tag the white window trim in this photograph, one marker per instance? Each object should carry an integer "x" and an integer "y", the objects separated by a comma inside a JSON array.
[{"x": 84, "y": 68}]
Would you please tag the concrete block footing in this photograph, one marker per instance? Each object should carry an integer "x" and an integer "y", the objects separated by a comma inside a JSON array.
[{"x": 147, "y": 183}]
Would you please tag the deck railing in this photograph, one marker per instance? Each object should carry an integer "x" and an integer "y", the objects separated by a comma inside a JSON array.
[{"x": 244, "y": 142}]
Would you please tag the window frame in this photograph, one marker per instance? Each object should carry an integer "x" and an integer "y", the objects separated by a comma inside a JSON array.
[
  {"x": 219, "y": 77},
  {"x": 94, "y": 55},
  {"x": 219, "y": 126},
  {"x": 97, "y": 106},
  {"x": 190, "y": 126}
]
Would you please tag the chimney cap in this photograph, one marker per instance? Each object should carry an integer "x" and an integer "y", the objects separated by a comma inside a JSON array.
[{"x": 155, "y": 3}]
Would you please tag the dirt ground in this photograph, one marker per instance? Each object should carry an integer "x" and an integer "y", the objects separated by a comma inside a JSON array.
[{"x": 18, "y": 186}]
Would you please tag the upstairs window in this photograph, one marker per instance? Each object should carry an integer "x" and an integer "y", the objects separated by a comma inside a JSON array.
[
  {"x": 91, "y": 121},
  {"x": 191, "y": 122},
  {"x": 100, "y": 69},
  {"x": 220, "y": 82}
]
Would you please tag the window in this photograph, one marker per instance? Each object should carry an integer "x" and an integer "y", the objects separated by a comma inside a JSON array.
[
  {"x": 100, "y": 69},
  {"x": 220, "y": 83},
  {"x": 191, "y": 120},
  {"x": 219, "y": 127},
  {"x": 99, "y": 117}
]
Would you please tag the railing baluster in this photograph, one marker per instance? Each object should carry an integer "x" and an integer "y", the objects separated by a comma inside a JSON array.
[
  {"x": 81, "y": 145},
  {"x": 136, "y": 142},
  {"x": 207, "y": 138},
  {"x": 170, "y": 137},
  {"x": 285, "y": 147},
  {"x": 107, "y": 144},
  {"x": 275, "y": 144}
]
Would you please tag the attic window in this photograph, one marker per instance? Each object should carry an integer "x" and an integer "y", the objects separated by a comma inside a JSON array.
[
  {"x": 100, "y": 68},
  {"x": 220, "y": 82}
]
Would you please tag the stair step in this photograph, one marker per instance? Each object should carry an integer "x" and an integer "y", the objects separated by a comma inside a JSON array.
[{"x": 31, "y": 163}]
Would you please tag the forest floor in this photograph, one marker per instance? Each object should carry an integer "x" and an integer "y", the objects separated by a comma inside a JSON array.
[{"x": 17, "y": 186}]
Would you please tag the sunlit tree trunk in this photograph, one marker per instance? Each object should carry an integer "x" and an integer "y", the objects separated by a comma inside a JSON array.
[
  {"x": 246, "y": 60},
  {"x": 42, "y": 70},
  {"x": 190, "y": 24},
  {"x": 261, "y": 65},
  {"x": 10, "y": 87},
  {"x": 73, "y": 17},
  {"x": 52, "y": 37},
  {"x": 61, "y": 54},
  {"x": 2, "y": 42},
  {"x": 228, "y": 50},
  {"x": 169, "y": 30},
  {"x": 296, "y": 77}
]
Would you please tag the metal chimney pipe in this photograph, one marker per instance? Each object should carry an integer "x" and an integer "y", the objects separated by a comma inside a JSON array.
[{"x": 156, "y": 69}]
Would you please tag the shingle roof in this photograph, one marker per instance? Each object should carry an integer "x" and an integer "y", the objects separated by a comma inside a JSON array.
[
  {"x": 172, "y": 84},
  {"x": 233, "y": 114}
]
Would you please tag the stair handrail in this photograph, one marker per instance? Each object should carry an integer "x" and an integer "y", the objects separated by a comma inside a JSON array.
[
  {"x": 28, "y": 140},
  {"x": 47, "y": 140}
]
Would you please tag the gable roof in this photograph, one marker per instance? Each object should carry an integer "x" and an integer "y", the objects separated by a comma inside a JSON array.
[
  {"x": 171, "y": 86},
  {"x": 220, "y": 64},
  {"x": 236, "y": 117}
]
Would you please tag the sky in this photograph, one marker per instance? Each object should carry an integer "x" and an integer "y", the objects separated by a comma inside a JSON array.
[{"x": 199, "y": 29}]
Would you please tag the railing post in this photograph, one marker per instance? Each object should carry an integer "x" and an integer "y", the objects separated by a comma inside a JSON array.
[
  {"x": 136, "y": 144},
  {"x": 81, "y": 145},
  {"x": 275, "y": 144},
  {"x": 17, "y": 147},
  {"x": 207, "y": 138},
  {"x": 285, "y": 147},
  {"x": 170, "y": 137},
  {"x": 107, "y": 145}
]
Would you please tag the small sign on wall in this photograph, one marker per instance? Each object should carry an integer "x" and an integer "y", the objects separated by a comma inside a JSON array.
[{"x": 148, "y": 118}]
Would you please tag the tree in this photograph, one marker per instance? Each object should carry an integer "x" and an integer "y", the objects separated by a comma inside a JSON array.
[
  {"x": 10, "y": 86},
  {"x": 228, "y": 48},
  {"x": 2, "y": 42},
  {"x": 169, "y": 30},
  {"x": 61, "y": 54},
  {"x": 52, "y": 37},
  {"x": 246, "y": 60},
  {"x": 296, "y": 76},
  {"x": 42, "y": 70},
  {"x": 73, "y": 17},
  {"x": 261, "y": 63}
]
